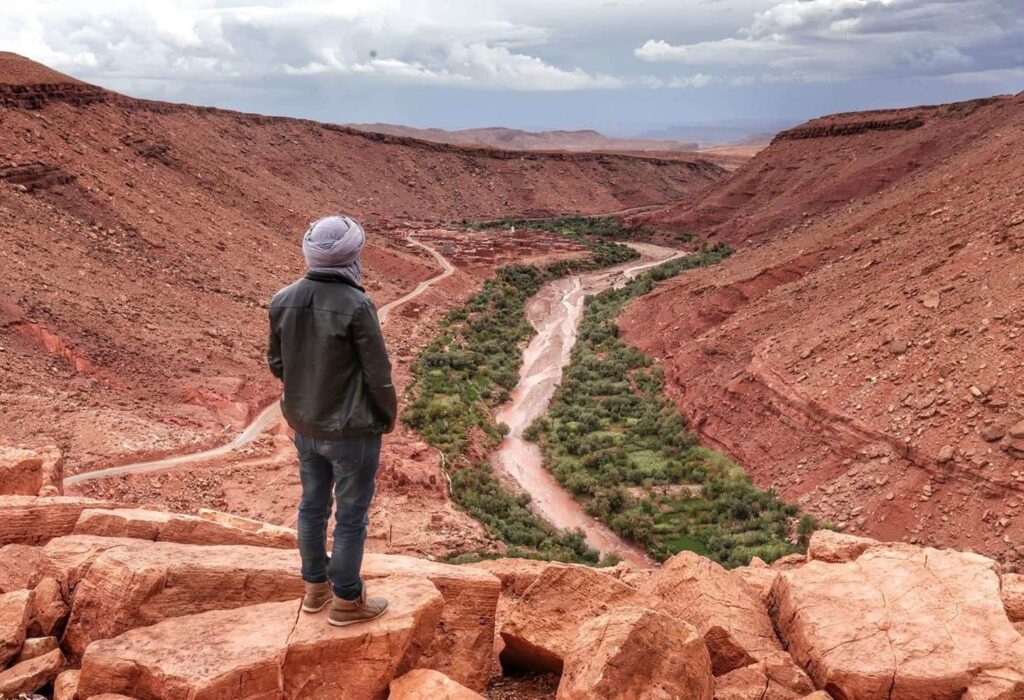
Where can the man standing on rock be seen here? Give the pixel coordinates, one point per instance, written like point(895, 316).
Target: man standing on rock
point(326, 346)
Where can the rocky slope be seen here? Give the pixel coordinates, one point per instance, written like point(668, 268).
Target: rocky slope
point(861, 352)
point(144, 237)
point(96, 599)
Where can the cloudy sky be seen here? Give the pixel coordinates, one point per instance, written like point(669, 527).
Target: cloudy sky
point(623, 66)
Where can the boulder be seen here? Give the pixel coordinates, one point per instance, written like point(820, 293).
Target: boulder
point(21, 471)
point(790, 561)
point(139, 583)
point(29, 676)
point(159, 526)
point(462, 646)
point(48, 608)
point(1012, 591)
point(756, 682)
point(65, 687)
point(735, 625)
point(14, 614)
point(542, 625)
point(72, 555)
point(270, 650)
point(23, 566)
point(284, 537)
point(38, 519)
point(758, 580)
point(36, 646)
point(637, 653)
point(516, 575)
point(826, 545)
point(901, 622)
point(427, 684)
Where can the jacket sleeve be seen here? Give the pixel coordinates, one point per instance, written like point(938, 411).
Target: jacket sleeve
point(274, 352)
point(373, 355)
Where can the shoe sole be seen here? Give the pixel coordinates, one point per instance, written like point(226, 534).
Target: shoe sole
point(311, 609)
point(346, 623)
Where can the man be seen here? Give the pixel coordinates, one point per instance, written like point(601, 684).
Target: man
point(326, 346)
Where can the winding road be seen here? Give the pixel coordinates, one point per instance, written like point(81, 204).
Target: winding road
point(270, 415)
point(555, 313)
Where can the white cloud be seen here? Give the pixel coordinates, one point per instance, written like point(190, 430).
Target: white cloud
point(437, 42)
point(816, 40)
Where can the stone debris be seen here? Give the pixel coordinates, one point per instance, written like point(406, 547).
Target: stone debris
point(29, 676)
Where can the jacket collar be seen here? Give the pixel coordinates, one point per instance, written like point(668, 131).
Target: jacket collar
point(327, 277)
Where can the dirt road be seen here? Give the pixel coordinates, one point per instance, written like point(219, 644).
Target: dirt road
point(270, 415)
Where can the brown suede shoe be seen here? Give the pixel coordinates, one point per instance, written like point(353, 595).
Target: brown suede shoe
point(318, 595)
point(348, 612)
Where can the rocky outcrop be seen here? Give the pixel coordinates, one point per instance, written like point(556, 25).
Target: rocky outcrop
point(38, 519)
point(159, 526)
point(850, 128)
point(901, 622)
point(735, 624)
point(543, 624)
point(637, 653)
point(830, 546)
point(426, 684)
point(140, 583)
point(270, 650)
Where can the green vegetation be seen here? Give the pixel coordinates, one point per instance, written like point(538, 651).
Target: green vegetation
point(622, 448)
point(469, 370)
point(581, 228)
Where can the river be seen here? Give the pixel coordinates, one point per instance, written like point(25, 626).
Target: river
point(555, 313)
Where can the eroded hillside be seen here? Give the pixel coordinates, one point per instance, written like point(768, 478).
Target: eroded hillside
point(863, 354)
point(142, 238)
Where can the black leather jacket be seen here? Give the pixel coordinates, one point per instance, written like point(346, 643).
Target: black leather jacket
point(326, 345)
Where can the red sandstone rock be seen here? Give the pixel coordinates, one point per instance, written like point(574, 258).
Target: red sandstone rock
point(902, 622)
point(427, 684)
point(270, 650)
point(139, 583)
point(21, 471)
point(542, 625)
point(826, 545)
point(72, 555)
point(735, 624)
point(637, 653)
point(1012, 591)
point(24, 566)
point(462, 645)
point(284, 537)
point(160, 526)
point(49, 609)
point(65, 687)
point(755, 682)
point(36, 646)
point(29, 676)
point(38, 519)
point(757, 580)
point(516, 575)
point(14, 615)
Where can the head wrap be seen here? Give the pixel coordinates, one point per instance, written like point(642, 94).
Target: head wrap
point(332, 245)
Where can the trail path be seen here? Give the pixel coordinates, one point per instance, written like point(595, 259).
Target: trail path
point(555, 313)
point(268, 416)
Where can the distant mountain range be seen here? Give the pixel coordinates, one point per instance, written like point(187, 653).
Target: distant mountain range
point(519, 140)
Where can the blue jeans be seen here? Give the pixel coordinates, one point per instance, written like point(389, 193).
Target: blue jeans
point(345, 469)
